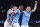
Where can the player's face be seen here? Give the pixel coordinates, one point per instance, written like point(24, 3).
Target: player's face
point(14, 8)
point(28, 9)
point(21, 7)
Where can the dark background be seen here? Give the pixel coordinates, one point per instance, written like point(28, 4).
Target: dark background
point(5, 5)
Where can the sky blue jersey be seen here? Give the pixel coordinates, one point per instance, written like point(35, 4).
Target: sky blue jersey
point(9, 15)
point(25, 17)
point(16, 16)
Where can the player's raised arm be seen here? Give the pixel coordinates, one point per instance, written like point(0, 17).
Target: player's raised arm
point(35, 7)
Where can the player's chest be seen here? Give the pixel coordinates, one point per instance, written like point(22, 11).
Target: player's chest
point(27, 14)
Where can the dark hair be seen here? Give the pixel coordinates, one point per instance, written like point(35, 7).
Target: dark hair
point(20, 5)
point(12, 6)
point(27, 6)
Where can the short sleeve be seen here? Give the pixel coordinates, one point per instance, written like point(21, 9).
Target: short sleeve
point(16, 11)
point(10, 10)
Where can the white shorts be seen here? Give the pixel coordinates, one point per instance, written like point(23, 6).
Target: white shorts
point(16, 25)
point(6, 24)
point(24, 26)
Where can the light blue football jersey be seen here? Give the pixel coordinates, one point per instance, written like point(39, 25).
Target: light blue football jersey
point(9, 15)
point(25, 17)
point(16, 16)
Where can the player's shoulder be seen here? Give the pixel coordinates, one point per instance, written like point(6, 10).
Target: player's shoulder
point(9, 9)
point(17, 10)
point(23, 11)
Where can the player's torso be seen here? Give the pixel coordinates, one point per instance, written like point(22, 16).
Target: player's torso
point(25, 18)
point(9, 15)
point(16, 17)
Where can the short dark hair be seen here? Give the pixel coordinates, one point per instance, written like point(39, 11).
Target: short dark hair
point(12, 6)
point(20, 5)
point(28, 6)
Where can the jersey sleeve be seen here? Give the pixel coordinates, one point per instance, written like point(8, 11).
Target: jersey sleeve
point(10, 10)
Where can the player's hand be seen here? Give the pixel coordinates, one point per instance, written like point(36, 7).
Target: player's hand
point(10, 22)
point(35, 2)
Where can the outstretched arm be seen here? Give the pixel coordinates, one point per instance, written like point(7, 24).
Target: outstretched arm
point(35, 7)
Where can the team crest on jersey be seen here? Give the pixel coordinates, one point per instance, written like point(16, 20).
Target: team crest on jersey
point(16, 11)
